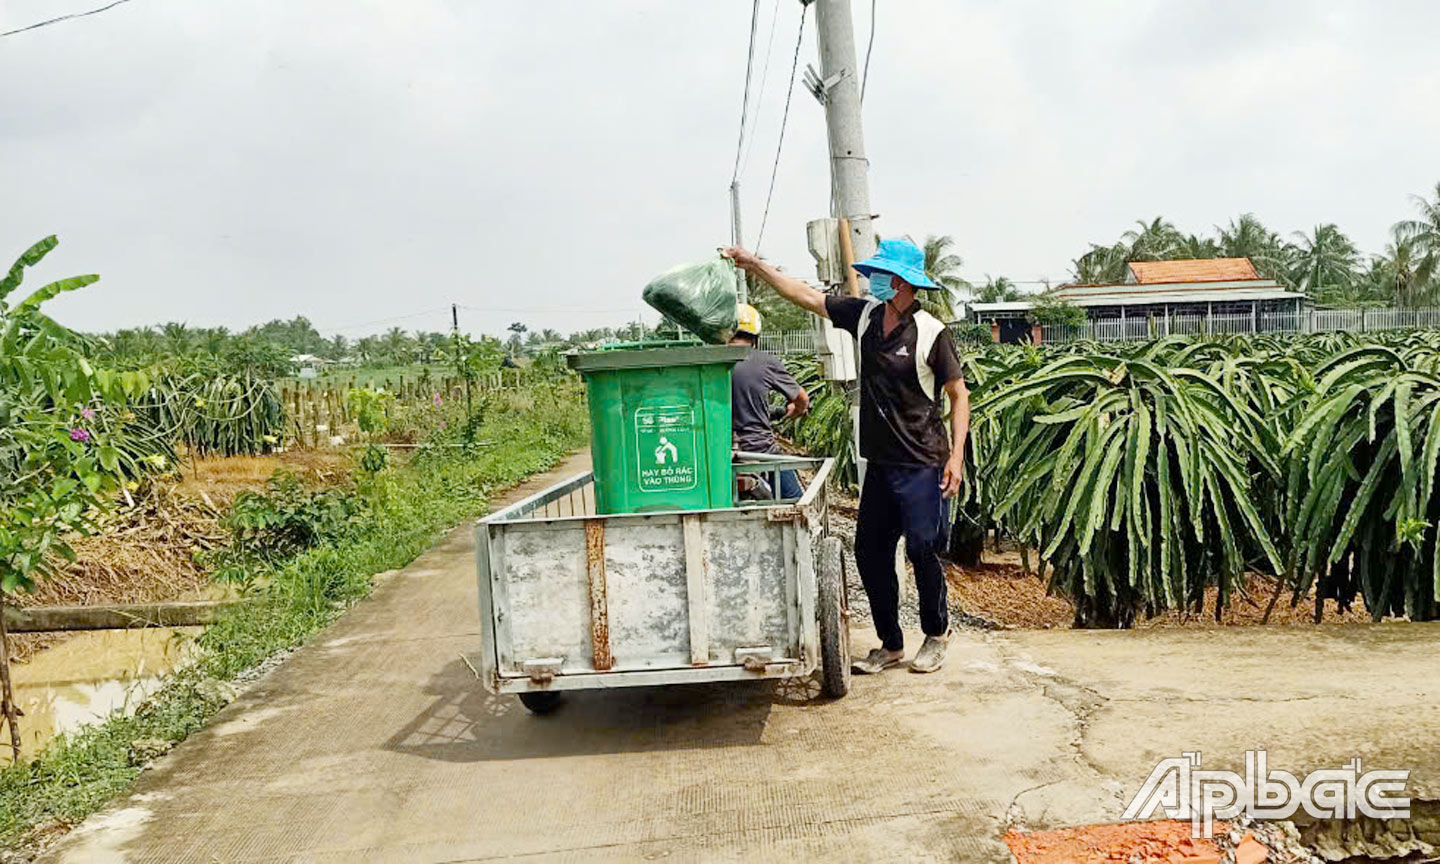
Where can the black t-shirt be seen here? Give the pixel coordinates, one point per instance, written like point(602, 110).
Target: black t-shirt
point(900, 423)
point(750, 384)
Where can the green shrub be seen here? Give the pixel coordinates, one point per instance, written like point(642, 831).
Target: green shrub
point(1049, 309)
point(404, 511)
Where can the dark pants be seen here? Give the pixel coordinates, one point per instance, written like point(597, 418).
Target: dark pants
point(902, 500)
point(790, 485)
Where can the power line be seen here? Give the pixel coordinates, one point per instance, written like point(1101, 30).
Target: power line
point(570, 310)
point(764, 76)
point(745, 101)
point(40, 24)
point(784, 119)
point(383, 320)
point(865, 77)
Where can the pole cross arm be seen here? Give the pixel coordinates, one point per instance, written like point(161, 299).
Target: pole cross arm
point(818, 87)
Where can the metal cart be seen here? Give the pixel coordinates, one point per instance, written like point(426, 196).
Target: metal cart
point(571, 600)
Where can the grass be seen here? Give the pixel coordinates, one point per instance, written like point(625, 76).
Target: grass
point(411, 505)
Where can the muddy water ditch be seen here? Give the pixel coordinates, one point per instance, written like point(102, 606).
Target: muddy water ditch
point(88, 676)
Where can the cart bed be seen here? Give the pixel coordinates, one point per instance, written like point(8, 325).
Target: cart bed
point(572, 600)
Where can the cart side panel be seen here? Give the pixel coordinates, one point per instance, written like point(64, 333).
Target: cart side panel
point(646, 583)
point(749, 594)
point(549, 595)
point(489, 664)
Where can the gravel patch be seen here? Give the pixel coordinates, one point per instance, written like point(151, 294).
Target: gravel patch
point(842, 525)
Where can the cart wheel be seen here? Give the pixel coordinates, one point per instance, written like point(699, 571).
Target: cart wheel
point(834, 629)
point(540, 701)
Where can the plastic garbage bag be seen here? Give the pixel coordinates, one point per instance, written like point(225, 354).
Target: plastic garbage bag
point(699, 297)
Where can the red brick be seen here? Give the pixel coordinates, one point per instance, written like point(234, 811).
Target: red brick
point(1251, 851)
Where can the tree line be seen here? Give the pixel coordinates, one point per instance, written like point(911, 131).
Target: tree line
point(271, 348)
point(1323, 263)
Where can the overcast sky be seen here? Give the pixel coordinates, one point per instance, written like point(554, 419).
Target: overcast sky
point(356, 162)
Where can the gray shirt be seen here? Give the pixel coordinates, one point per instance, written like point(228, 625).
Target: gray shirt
point(751, 383)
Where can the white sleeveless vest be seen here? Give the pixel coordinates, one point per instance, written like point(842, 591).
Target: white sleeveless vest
point(928, 329)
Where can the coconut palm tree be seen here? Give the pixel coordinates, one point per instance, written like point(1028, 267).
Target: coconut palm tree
point(997, 289)
point(1325, 264)
point(1395, 274)
point(1195, 246)
point(1247, 237)
point(212, 340)
point(369, 348)
point(397, 345)
point(177, 338)
point(943, 267)
point(1102, 265)
point(1157, 240)
point(1424, 234)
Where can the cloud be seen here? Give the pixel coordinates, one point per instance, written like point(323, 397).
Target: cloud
point(358, 161)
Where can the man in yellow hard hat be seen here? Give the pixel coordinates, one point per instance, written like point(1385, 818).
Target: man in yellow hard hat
point(754, 379)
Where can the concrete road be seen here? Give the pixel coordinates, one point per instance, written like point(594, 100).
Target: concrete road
point(376, 743)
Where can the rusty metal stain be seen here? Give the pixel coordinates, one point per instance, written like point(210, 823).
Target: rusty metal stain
point(599, 604)
point(786, 513)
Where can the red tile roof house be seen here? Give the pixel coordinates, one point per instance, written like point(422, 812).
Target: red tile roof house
point(1158, 298)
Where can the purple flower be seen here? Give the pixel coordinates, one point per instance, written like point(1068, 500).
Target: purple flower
point(81, 435)
point(436, 399)
point(88, 413)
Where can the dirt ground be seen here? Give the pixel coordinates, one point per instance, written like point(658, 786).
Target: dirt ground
point(145, 550)
point(1000, 590)
point(1000, 593)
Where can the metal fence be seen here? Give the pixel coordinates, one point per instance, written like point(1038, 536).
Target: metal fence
point(791, 341)
point(1157, 327)
point(1306, 321)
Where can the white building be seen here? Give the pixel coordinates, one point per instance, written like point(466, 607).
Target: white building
point(1211, 295)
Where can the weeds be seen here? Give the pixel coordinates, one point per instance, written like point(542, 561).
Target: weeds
point(274, 525)
point(406, 509)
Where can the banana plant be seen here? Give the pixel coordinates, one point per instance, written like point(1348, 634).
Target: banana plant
point(57, 467)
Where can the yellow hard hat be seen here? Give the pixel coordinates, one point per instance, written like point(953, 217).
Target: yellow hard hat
point(748, 318)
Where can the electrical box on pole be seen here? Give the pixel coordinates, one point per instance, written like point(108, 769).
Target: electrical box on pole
point(837, 349)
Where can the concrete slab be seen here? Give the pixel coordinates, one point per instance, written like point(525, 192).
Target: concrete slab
point(376, 743)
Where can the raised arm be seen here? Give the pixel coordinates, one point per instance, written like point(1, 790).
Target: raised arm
point(789, 287)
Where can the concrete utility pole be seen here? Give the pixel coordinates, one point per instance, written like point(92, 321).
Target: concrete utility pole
point(841, 78)
point(849, 169)
point(737, 239)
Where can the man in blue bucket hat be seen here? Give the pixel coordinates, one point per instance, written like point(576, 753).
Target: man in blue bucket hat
point(906, 361)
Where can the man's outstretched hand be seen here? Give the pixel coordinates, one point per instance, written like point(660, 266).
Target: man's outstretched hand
point(789, 287)
point(954, 473)
point(743, 259)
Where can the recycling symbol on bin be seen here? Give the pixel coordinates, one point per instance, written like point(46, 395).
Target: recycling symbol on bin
point(665, 447)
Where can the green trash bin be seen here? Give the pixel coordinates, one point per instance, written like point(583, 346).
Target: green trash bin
point(660, 426)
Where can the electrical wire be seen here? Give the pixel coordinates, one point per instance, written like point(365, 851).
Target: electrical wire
point(745, 101)
point(764, 76)
point(865, 76)
point(784, 119)
point(40, 24)
point(382, 320)
point(570, 310)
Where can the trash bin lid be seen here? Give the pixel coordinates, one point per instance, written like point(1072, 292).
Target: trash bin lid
point(657, 357)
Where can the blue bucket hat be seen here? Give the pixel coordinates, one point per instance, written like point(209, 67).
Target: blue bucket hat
point(899, 257)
